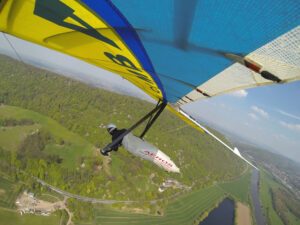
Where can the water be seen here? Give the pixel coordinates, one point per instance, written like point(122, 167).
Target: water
point(224, 214)
point(258, 211)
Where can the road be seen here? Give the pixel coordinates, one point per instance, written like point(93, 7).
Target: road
point(103, 201)
point(97, 200)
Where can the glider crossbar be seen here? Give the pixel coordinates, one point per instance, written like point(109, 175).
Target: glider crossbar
point(158, 109)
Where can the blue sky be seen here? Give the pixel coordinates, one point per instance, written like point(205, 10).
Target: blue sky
point(268, 116)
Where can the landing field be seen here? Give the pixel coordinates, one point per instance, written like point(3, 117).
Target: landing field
point(8, 192)
point(268, 182)
point(266, 199)
point(184, 210)
point(239, 188)
point(11, 217)
point(11, 137)
point(73, 145)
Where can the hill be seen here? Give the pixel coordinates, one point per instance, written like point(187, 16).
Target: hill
point(52, 127)
point(81, 109)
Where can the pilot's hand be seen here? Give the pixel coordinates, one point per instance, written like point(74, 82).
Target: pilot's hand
point(105, 153)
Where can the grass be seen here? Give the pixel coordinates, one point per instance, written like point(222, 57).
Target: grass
point(267, 181)
point(74, 147)
point(49, 196)
point(265, 197)
point(239, 188)
point(11, 137)
point(184, 210)
point(70, 152)
point(293, 219)
point(8, 192)
point(9, 217)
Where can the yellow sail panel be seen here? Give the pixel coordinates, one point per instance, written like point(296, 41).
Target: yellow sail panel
point(185, 117)
point(4, 12)
point(72, 28)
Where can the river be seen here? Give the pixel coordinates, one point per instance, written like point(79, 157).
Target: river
point(258, 211)
point(224, 214)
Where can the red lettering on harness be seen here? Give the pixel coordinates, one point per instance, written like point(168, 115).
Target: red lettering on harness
point(157, 157)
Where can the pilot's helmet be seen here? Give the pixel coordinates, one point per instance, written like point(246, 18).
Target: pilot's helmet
point(111, 127)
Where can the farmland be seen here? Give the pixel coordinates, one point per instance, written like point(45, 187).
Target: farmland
point(9, 217)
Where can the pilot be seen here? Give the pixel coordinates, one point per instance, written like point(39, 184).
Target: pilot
point(115, 133)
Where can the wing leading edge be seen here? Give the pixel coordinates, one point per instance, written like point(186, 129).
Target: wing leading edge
point(198, 126)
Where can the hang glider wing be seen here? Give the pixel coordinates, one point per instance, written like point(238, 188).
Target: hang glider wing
point(177, 51)
point(93, 31)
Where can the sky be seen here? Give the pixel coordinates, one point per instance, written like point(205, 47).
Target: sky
point(268, 116)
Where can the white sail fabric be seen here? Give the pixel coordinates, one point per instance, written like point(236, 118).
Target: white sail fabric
point(281, 57)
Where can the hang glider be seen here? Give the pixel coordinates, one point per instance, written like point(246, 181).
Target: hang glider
point(176, 51)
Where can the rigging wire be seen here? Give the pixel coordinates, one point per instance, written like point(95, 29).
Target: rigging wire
point(12, 46)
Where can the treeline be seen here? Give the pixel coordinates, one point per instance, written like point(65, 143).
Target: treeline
point(284, 203)
point(33, 146)
point(11, 122)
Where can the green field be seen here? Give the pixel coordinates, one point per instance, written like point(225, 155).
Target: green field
point(266, 200)
point(275, 216)
point(8, 217)
point(184, 210)
point(8, 192)
point(239, 188)
point(11, 137)
point(49, 196)
point(74, 146)
point(293, 219)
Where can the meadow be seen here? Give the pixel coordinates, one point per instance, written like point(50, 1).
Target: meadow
point(8, 192)
point(239, 188)
point(74, 146)
point(267, 197)
point(186, 209)
point(11, 137)
point(10, 217)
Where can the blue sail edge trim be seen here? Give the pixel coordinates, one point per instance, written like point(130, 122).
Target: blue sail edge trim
point(106, 10)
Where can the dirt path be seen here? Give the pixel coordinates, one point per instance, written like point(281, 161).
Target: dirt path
point(68, 211)
point(70, 215)
point(243, 214)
